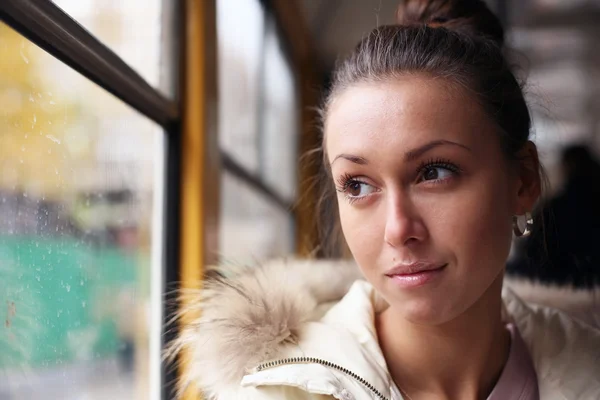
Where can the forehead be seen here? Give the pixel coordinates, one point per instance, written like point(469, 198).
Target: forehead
point(403, 112)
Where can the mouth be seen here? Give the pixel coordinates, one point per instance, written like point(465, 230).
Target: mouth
point(416, 274)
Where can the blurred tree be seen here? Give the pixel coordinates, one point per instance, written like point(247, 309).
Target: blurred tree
point(34, 122)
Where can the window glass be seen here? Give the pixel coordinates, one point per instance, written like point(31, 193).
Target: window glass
point(258, 129)
point(258, 107)
point(252, 227)
point(240, 31)
point(132, 29)
point(79, 199)
point(280, 133)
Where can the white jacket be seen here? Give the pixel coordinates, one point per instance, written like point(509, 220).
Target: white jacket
point(270, 332)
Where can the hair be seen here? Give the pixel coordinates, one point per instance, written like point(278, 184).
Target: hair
point(459, 41)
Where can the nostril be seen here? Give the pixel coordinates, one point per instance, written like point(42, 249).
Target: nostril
point(411, 240)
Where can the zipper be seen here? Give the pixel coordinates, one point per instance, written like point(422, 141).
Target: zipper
point(313, 360)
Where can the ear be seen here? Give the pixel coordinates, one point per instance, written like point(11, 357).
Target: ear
point(529, 185)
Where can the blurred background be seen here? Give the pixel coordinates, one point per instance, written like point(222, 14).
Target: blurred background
point(97, 196)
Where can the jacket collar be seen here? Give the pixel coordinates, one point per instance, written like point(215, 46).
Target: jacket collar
point(564, 351)
point(345, 336)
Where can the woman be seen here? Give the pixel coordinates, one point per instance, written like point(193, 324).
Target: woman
point(426, 145)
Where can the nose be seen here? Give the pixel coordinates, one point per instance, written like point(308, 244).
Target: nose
point(404, 226)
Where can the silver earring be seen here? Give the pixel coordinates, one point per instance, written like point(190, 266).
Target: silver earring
point(528, 225)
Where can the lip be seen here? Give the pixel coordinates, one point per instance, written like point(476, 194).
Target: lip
point(414, 268)
point(416, 274)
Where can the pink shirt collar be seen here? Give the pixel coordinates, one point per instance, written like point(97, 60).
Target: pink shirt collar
point(518, 380)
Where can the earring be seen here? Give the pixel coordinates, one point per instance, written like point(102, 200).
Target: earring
point(528, 225)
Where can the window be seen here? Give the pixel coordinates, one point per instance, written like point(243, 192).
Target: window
point(91, 141)
point(132, 29)
point(239, 37)
point(253, 227)
point(258, 133)
point(279, 138)
point(81, 200)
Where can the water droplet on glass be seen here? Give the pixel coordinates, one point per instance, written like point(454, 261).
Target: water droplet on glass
point(53, 138)
point(24, 57)
point(37, 277)
point(68, 287)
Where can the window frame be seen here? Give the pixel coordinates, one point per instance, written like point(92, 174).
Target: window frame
point(50, 28)
point(187, 137)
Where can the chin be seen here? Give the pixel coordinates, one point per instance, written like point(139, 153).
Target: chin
point(424, 311)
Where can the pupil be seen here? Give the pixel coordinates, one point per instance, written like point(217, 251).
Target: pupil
point(355, 189)
point(431, 174)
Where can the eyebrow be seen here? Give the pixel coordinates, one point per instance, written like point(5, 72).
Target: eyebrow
point(409, 156)
point(355, 159)
point(419, 151)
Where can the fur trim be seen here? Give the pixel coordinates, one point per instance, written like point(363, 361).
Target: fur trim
point(250, 314)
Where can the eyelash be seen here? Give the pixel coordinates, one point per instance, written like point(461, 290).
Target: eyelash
point(343, 182)
point(346, 180)
point(437, 163)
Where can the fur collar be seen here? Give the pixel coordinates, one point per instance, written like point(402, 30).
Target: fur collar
point(250, 314)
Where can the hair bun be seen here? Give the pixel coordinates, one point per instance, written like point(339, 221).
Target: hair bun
point(472, 17)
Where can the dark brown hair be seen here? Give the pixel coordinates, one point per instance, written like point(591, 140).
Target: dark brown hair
point(460, 41)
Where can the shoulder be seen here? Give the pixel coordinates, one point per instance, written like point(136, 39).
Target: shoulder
point(565, 351)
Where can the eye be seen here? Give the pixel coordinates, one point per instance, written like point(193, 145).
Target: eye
point(436, 173)
point(358, 189)
point(354, 189)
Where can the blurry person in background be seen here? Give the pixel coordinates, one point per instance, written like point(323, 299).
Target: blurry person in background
point(565, 250)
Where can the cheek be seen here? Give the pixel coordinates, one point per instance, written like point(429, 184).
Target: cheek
point(363, 231)
point(477, 225)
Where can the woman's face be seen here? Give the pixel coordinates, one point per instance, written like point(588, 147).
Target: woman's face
point(425, 195)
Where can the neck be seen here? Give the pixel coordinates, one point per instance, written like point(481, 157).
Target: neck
point(461, 359)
